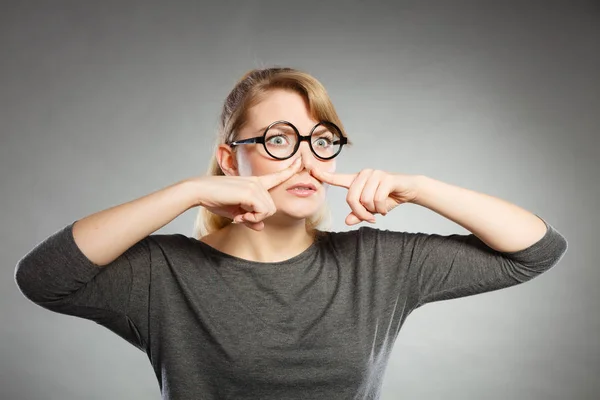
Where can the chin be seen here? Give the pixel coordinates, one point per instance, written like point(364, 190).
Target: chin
point(298, 210)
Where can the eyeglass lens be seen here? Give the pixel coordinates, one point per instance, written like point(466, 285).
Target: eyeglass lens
point(281, 140)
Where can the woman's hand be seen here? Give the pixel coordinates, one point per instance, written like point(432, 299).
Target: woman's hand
point(245, 199)
point(372, 191)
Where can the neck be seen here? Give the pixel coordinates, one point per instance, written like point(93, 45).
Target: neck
point(276, 242)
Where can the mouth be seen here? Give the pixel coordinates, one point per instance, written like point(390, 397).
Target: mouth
point(302, 189)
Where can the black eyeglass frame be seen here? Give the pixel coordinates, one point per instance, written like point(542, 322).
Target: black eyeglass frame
point(261, 139)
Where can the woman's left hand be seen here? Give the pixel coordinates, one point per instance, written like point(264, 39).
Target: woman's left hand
point(372, 191)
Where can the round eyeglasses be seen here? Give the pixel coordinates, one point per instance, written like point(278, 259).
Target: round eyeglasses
point(281, 140)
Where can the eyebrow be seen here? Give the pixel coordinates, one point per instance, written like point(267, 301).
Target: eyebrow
point(262, 130)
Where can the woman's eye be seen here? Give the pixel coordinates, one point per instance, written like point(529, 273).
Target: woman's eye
point(324, 142)
point(277, 140)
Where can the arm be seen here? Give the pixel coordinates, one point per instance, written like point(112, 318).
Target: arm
point(507, 246)
point(100, 239)
point(501, 225)
point(99, 267)
point(429, 267)
point(105, 235)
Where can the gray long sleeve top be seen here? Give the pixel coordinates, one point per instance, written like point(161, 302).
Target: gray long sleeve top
point(320, 325)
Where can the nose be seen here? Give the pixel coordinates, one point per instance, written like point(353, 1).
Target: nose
point(309, 160)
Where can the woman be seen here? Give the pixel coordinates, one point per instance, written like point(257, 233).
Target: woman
point(264, 304)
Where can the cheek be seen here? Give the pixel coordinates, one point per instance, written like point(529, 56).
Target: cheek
point(256, 165)
point(329, 166)
point(244, 165)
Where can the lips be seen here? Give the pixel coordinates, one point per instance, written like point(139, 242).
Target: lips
point(307, 186)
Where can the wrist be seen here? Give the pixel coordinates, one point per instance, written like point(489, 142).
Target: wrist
point(421, 182)
point(192, 191)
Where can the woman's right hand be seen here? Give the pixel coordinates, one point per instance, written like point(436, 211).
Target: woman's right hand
point(245, 199)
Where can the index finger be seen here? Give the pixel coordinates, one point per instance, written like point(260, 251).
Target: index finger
point(271, 180)
point(343, 180)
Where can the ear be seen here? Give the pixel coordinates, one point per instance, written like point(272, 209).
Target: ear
point(226, 159)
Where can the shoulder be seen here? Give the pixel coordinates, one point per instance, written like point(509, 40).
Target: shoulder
point(178, 250)
point(169, 242)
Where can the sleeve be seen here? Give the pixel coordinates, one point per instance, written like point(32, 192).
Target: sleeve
point(453, 266)
point(442, 267)
point(56, 275)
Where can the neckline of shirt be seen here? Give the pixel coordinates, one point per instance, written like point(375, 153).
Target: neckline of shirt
point(242, 262)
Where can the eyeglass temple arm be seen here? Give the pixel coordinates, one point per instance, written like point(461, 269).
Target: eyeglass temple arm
point(259, 139)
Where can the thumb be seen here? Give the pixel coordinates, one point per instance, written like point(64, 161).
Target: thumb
point(352, 219)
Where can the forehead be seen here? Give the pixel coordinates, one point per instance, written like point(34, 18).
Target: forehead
point(279, 105)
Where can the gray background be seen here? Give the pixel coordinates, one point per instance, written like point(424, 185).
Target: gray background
point(103, 102)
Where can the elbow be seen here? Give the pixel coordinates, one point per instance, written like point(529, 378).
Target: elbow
point(33, 282)
point(29, 283)
point(542, 255)
point(24, 281)
point(550, 258)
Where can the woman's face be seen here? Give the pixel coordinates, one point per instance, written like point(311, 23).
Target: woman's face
point(252, 159)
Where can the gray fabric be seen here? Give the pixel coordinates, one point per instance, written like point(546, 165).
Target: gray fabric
point(320, 325)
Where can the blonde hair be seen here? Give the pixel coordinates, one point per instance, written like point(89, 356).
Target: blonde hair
point(250, 90)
